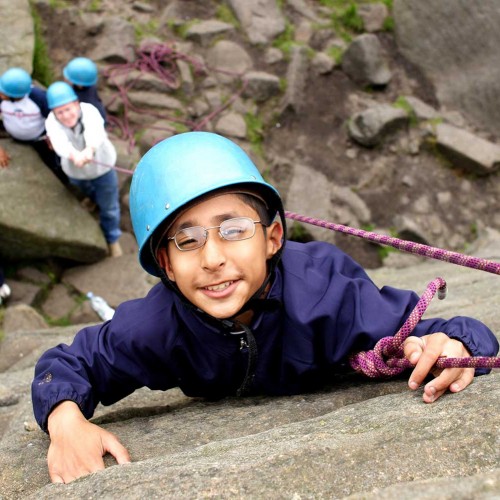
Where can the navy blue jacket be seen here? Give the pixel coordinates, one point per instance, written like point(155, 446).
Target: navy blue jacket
point(90, 95)
point(39, 97)
point(321, 307)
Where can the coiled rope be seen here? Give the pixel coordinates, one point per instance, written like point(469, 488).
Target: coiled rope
point(387, 358)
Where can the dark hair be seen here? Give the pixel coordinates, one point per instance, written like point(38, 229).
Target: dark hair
point(258, 205)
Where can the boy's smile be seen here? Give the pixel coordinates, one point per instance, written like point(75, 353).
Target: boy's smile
point(221, 276)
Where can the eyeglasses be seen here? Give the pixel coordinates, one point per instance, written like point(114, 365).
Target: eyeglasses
point(237, 229)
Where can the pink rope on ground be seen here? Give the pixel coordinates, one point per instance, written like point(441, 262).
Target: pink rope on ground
point(161, 60)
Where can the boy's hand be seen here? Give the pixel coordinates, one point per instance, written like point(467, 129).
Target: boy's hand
point(423, 353)
point(4, 158)
point(77, 446)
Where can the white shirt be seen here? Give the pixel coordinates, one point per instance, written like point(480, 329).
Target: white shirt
point(22, 119)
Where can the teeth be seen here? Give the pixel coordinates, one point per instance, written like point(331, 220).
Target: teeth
point(218, 288)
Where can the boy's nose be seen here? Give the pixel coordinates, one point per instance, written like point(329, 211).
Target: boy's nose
point(212, 253)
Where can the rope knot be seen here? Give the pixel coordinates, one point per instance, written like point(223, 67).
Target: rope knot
point(373, 363)
point(381, 361)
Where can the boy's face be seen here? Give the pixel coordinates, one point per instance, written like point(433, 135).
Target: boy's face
point(221, 276)
point(68, 114)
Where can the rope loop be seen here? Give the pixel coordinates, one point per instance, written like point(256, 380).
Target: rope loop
point(387, 359)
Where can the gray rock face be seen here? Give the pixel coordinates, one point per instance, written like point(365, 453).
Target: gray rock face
point(360, 438)
point(117, 42)
point(230, 59)
point(39, 217)
point(261, 19)
point(446, 42)
point(18, 36)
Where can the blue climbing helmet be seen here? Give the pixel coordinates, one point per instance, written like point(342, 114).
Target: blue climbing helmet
point(59, 94)
point(15, 83)
point(179, 170)
point(81, 71)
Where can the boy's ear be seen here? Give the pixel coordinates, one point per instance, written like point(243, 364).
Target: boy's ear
point(274, 236)
point(164, 262)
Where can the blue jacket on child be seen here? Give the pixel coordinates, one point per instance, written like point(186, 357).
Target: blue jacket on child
point(321, 307)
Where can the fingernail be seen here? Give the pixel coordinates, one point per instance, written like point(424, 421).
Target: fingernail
point(412, 385)
point(455, 387)
point(432, 390)
point(414, 357)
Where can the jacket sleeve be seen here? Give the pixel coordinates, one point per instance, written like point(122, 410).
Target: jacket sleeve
point(58, 138)
point(103, 364)
point(93, 123)
point(39, 97)
point(351, 314)
point(382, 312)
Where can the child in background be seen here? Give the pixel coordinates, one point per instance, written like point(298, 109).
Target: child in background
point(24, 110)
point(239, 309)
point(81, 74)
point(77, 133)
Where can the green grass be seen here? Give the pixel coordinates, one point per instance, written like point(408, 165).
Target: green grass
point(345, 18)
point(285, 41)
point(42, 67)
point(95, 6)
point(336, 53)
point(298, 233)
point(144, 30)
point(226, 15)
point(403, 104)
point(58, 4)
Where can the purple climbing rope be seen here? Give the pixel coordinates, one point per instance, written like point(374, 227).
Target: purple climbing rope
point(387, 358)
point(404, 245)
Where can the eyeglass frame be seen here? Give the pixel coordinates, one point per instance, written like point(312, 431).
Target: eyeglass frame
point(206, 229)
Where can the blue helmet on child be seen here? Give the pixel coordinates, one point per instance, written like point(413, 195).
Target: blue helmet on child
point(15, 82)
point(81, 71)
point(59, 94)
point(181, 169)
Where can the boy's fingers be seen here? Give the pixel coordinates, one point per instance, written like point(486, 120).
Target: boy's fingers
point(454, 379)
point(424, 365)
point(413, 348)
point(56, 478)
point(112, 445)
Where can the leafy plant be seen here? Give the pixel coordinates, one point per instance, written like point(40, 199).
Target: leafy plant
point(143, 30)
point(225, 14)
point(255, 131)
point(95, 5)
point(285, 41)
point(388, 24)
point(42, 68)
point(403, 104)
point(336, 53)
point(58, 4)
point(299, 233)
point(350, 18)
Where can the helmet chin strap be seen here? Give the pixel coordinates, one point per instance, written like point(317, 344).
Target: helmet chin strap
point(231, 326)
point(256, 302)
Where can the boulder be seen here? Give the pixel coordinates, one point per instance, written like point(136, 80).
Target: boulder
point(41, 218)
point(18, 35)
point(455, 50)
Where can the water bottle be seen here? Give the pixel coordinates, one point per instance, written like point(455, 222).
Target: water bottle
point(100, 306)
